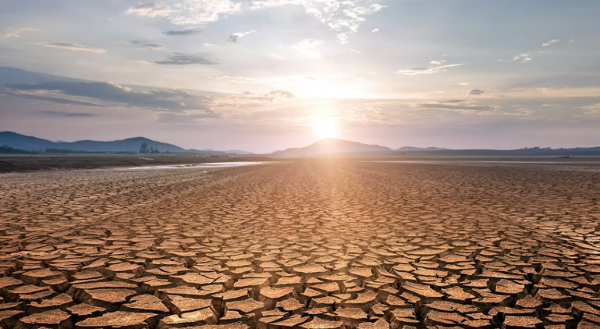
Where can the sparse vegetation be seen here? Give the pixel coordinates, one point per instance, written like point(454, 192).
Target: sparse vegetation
point(4, 149)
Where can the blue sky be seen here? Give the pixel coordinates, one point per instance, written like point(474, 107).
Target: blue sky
point(271, 74)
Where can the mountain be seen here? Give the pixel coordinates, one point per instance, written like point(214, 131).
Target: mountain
point(329, 146)
point(240, 152)
point(416, 149)
point(127, 145)
point(230, 152)
point(22, 142)
point(31, 143)
point(524, 152)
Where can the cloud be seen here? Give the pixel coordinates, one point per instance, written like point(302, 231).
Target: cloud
point(16, 32)
point(149, 10)
point(463, 83)
point(375, 31)
point(186, 59)
point(108, 93)
point(146, 46)
point(437, 62)
point(428, 70)
point(181, 33)
point(184, 118)
point(592, 109)
point(234, 37)
point(458, 108)
point(343, 17)
point(551, 42)
point(269, 96)
point(69, 114)
point(523, 57)
point(356, 51)
point(274, 94)
point(308, 47)
point(41, 97)
point(476, 92)
point(239, 79)
point(71, 46)
point(189, 13)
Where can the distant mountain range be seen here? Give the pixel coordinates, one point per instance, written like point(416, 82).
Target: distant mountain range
point(330, 146)
point(31, 143)
point(232, 152)
point(417, 149)
point(348, 148)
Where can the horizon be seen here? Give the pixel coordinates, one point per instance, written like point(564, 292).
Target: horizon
point(269, 75)
point(300, 147)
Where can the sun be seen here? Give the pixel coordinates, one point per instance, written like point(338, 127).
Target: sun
point(324, 128)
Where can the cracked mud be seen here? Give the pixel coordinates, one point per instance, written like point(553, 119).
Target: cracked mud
point(313, 244)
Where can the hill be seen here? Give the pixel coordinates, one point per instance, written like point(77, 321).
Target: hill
point(31, 143)
point(524, 152)
point(238, 152)
point(418, 149)
point(232, 152)
point(330, 146)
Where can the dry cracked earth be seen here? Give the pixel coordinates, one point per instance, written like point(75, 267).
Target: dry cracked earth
point(302, 245)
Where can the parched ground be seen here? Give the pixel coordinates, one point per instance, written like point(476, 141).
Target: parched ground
point(313, 244)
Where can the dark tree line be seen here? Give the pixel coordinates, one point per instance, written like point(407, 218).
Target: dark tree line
point(144, 149)
point(5, 149)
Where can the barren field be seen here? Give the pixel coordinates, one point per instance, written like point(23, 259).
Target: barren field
point(306, 244)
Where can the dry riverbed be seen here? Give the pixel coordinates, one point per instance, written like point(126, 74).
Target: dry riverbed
point(303, 244)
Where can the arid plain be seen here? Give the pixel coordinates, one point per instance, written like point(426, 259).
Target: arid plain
point(303, 244)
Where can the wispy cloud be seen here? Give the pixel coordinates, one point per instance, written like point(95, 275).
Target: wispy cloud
point(375, 31)
point(149, 10)
point(592, 109)
point(181, 33)
point(42, 96)
point(476, 92)
point(108, 94)
point(236, 36)
point(16, 32)
point(456, 106)
point(343, 17)
point(191, 13)
point(184, 118)
point(239, 79)
point(308, 47)
point(71, 46)
point(146, 46)
point(551, 42)
point(69, 114)
point(428, 70)
point(186, 59)
point(270, 96)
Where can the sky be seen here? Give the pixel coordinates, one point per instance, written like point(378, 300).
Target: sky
point(265, 75)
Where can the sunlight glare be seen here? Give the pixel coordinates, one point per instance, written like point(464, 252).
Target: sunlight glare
point(324, 128)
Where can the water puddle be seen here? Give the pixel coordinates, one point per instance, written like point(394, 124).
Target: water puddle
point(196, 165)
